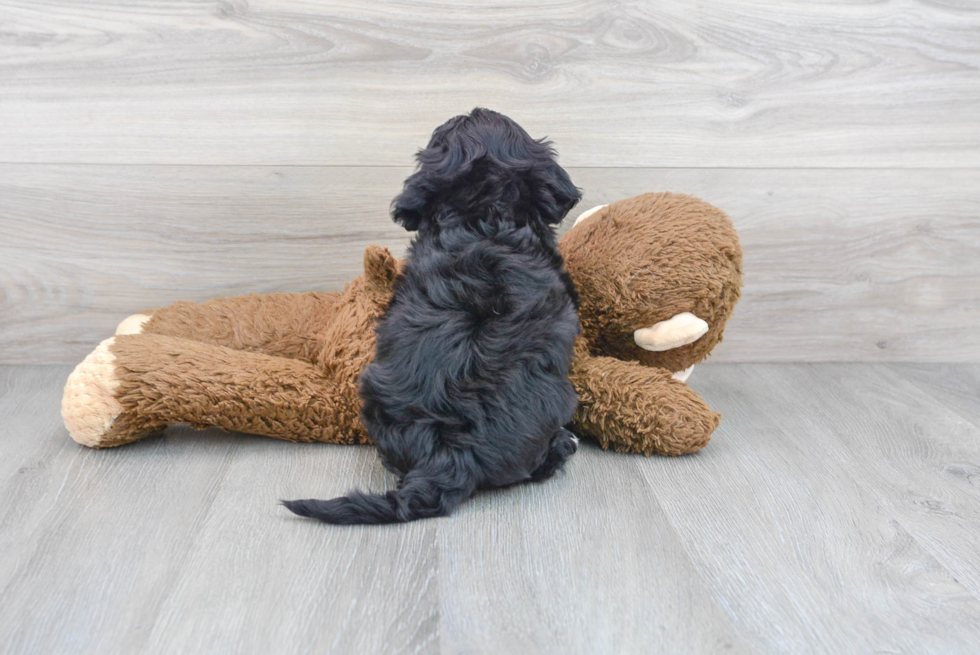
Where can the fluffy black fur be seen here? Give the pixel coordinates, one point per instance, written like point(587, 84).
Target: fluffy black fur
point(469, 386)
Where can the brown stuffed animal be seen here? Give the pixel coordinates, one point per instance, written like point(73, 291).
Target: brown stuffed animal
point(658, 276)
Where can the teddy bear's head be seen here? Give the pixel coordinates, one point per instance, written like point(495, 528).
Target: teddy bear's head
point(658, 275)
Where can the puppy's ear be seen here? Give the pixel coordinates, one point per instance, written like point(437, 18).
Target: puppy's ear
point(408, 206)
point(440, 163)
point(557, 193)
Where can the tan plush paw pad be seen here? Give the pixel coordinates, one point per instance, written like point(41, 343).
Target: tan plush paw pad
point(584, 215)
point(88, 406)
point(675, 332)
point(132, 324)
point(682, 376)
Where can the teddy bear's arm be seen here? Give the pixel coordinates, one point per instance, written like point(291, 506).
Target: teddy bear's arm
point(133, 386)
point(639, 409)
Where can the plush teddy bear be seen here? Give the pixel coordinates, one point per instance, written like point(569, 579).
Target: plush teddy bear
point(658, 276)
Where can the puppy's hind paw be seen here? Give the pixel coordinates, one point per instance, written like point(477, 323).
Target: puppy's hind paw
point(563, 445)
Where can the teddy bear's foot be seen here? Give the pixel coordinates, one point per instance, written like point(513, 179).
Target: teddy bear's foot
point(682, 376)
point(584, 215)
point(90, 405)
point(133, 324)
point(675, 332)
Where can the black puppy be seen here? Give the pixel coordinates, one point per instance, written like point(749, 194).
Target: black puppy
point(469, 386)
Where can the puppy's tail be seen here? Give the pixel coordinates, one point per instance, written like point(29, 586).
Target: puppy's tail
point(424, 493)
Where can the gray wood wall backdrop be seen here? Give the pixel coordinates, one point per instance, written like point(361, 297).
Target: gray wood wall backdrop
point(152, 151)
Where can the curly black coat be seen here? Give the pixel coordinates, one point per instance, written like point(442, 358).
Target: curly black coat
point(469, 386)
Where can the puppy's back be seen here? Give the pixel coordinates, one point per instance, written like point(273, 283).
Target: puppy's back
point(476, 348)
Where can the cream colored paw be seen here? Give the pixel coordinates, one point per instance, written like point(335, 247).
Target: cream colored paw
point(584, 215)
point(132, 324)
point(682, 376)
point(675, 332)
point(89, 407)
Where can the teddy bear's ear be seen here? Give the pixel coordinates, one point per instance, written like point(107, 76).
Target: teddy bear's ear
point(380, 267)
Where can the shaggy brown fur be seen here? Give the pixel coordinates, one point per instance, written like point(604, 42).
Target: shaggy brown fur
point(286, 365)
point(681, 255)
point(637, 409)
point(255, 363)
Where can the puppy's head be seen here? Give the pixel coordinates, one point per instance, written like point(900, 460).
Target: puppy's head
point(484, 160)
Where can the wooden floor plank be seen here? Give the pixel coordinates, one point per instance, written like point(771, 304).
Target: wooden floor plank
point(178, 545)
point(585, 563)
point(834, 269)
point(913, 453)
point(910, 454)
point(30, 413)
point(954, 386)
point(92, 540)
point(764, 84)
point(291, 585)
point(807, 556)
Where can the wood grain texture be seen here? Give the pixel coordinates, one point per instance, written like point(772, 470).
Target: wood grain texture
point(802, 513)
point(301, 586)
point(30, 401)
point(178, 545)
point(588, 563)
point(834, 511)
point(839, 265)
point(955, 386)
point(911, 456)
point(929, 479)
point(730, 84)
point(85, 247)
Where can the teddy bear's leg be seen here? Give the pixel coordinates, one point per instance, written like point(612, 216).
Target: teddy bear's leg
point(280, 324)
point(133, 386)
point(639, 409)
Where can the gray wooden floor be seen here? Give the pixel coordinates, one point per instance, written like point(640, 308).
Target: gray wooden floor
point(836, 510)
